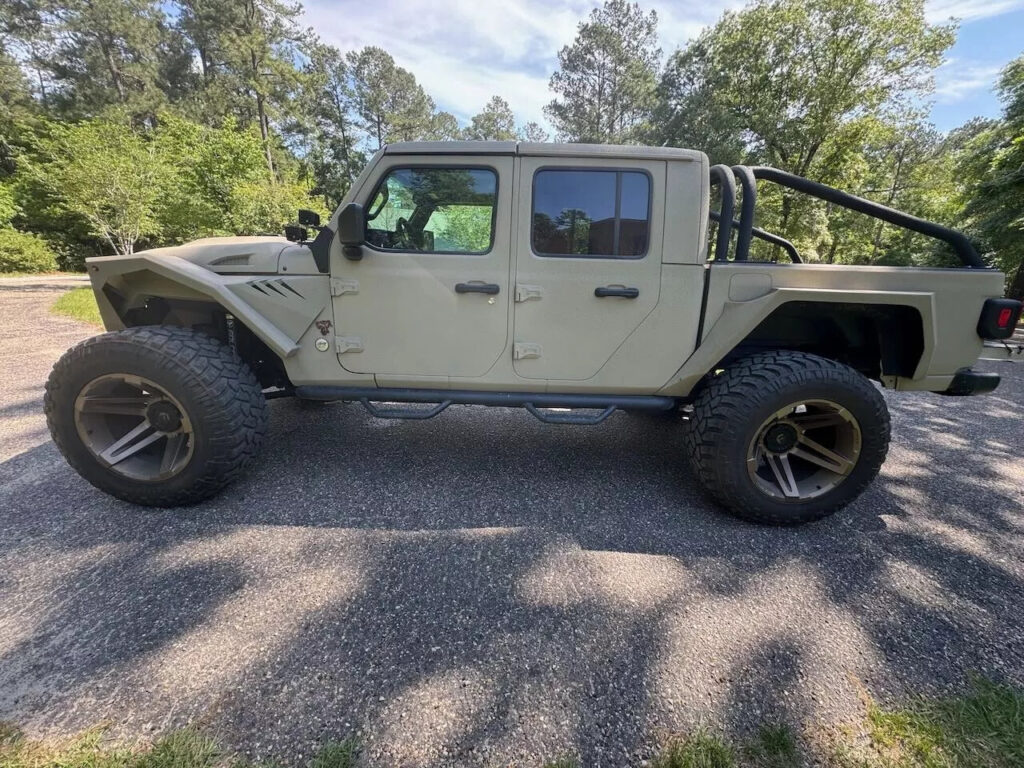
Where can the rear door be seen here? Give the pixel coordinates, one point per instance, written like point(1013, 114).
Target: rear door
point(587, 260)
point(430, 296)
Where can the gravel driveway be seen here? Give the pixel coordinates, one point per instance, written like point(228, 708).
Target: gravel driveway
point(483, 589)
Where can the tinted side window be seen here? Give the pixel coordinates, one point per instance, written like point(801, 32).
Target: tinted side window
point(440, 210)
point(591, 213)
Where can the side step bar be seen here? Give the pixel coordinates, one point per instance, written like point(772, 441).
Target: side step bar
point(534, 402)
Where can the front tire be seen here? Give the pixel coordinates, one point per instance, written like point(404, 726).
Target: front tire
point(159, 415)
point(785, 438)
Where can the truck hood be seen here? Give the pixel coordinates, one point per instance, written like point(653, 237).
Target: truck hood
point(229, 255)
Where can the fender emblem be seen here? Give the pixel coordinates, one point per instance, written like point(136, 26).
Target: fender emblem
point(324, 326)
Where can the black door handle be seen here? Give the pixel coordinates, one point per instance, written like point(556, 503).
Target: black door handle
point(610, 290)
point(491, 288)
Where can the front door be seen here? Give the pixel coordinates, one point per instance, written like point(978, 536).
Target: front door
point(430, 296)
point(588, 261)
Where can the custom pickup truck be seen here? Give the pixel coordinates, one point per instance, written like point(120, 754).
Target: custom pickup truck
point(571, 280)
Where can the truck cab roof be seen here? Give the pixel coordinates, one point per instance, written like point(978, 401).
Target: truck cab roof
point(624, 151)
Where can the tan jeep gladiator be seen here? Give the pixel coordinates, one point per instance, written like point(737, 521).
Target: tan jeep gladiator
point(571, 280)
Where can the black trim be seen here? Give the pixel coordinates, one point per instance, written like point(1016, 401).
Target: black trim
point(434, 167)
point(703, 307)
point(499, 399)
point(967, 382)
point(618, 205)
point(489, 288)
point(321, 248)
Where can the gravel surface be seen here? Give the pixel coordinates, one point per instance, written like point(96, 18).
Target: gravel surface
point(483, 589)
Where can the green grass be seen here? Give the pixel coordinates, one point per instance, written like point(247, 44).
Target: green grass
point(185, 748)
point(79, 304)
point(984, 728)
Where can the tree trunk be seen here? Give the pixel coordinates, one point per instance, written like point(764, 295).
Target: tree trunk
point(115, 73)
point(262, 113)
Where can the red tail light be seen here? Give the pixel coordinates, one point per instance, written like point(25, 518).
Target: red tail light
point(998, 318)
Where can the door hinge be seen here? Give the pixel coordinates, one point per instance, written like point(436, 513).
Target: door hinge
point(525, 350)
point(340, 287)
point(348, 344)
point(527, 292)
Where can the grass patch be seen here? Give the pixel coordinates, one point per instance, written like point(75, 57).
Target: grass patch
point(984, 727)
point(185, 748)
point(78, 304)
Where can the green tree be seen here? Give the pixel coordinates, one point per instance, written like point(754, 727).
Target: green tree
point(107, 55)
point(443, 127)
point(533, 132)
point(799, 84)
point(247, 52)
point(606, 79)
point(494, 123)
point(390, 103)
point(105, 172)
point(993, 165)
point(332, 141)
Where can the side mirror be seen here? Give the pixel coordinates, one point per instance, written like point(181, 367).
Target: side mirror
point(352, 231)
point(308, 218)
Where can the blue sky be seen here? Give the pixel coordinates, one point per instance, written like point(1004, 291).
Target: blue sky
point(465, 51)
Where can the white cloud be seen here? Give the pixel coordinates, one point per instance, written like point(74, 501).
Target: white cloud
point(969, 10)
point(956, 80)
point(465, 51)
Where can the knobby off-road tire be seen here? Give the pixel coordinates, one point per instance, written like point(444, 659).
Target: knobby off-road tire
point(743, 410)
point(190, 396)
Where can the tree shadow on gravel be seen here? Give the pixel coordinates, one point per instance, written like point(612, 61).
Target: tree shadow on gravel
point(484, 589)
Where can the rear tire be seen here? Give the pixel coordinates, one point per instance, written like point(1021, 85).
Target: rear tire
point(785, 438)
point(160, 416)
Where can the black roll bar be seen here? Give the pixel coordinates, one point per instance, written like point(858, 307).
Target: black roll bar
point(958, 240)
point(746, 222)
point(723, 175)
point(768, 237)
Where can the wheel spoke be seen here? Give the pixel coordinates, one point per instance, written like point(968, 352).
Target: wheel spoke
point(814, 452)
point(121, 406)
point(779, 464)
point(133, 442)
point(176, 445)
point(817, 420)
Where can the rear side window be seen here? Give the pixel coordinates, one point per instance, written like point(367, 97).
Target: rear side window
point(436, 210)
point(591, 213)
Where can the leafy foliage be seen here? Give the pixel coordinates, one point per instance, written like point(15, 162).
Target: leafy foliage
point(606, 78)
point(993, 163)
point(495, 123)
point(24, 252)
point(127, 124)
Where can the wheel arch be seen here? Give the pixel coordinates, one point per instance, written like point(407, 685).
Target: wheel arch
point(880, 334)
point(263, 322)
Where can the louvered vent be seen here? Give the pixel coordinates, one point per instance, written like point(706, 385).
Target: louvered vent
point(231, 261)
point(275, 288)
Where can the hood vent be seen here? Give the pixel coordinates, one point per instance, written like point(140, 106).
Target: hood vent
point(239, 260)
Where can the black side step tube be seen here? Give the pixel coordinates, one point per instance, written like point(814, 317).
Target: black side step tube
point(501, 399)
point(958, 240)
